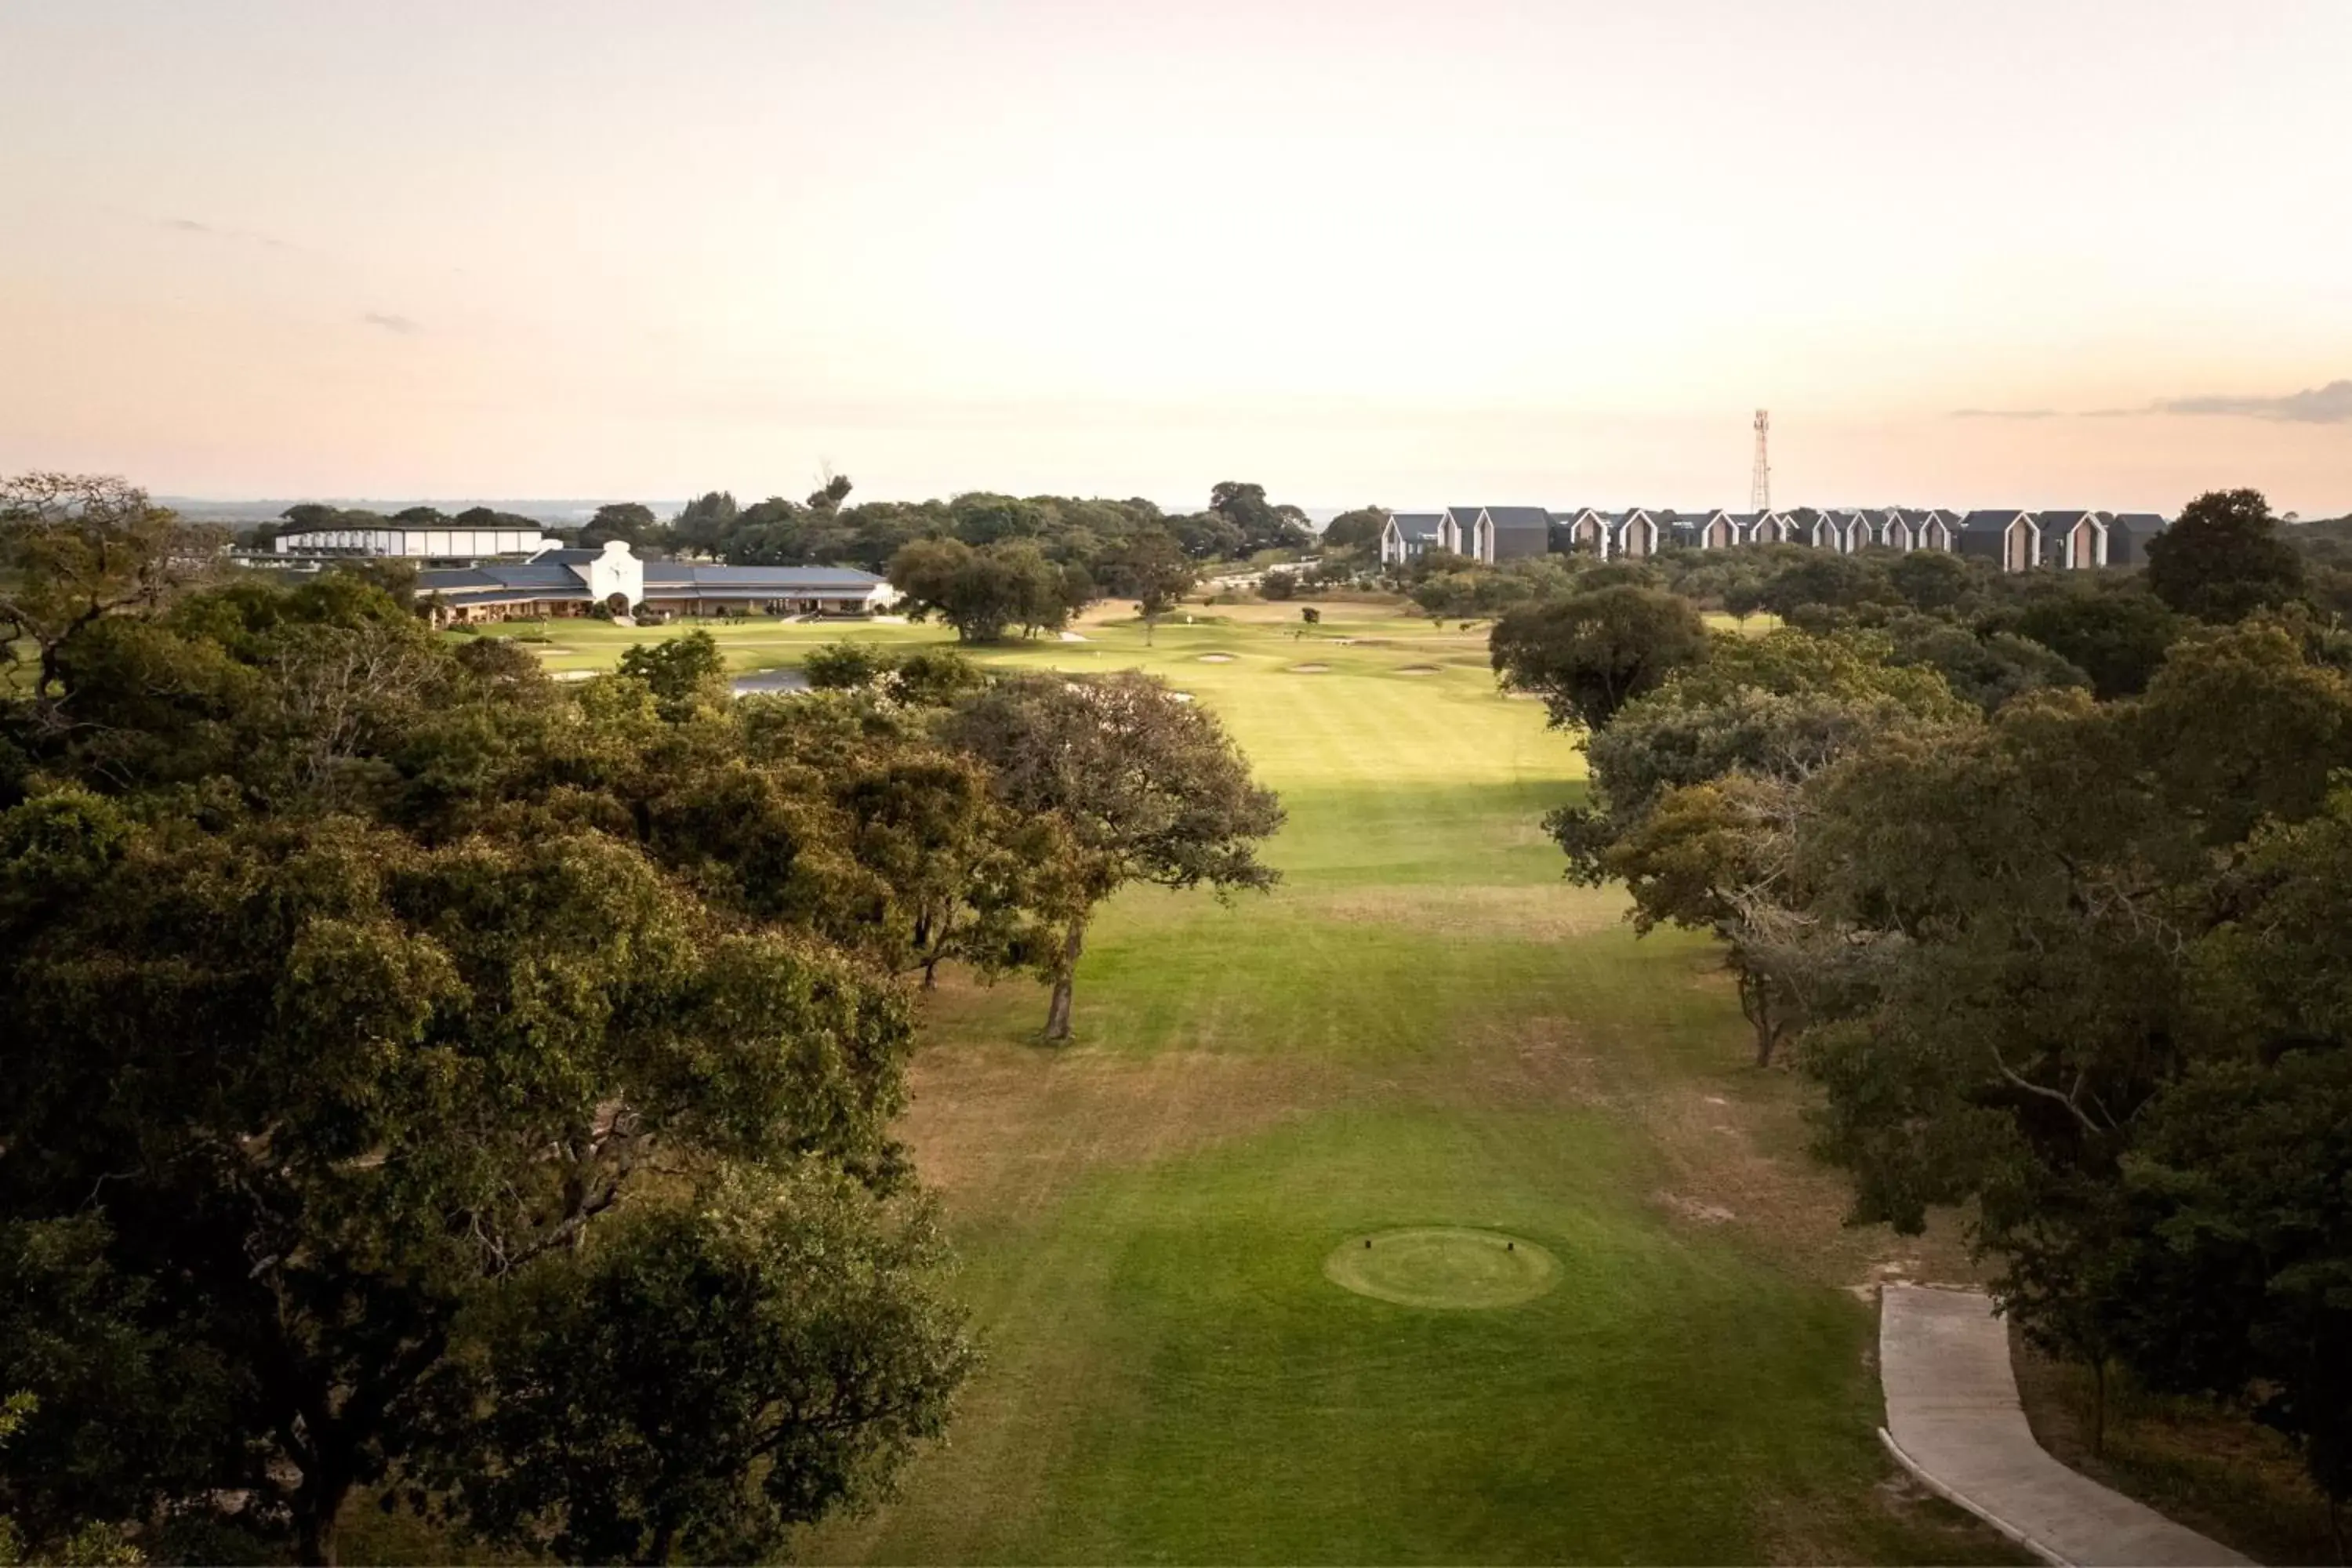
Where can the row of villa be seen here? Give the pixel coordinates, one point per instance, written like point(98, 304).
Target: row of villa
point(2017, 539)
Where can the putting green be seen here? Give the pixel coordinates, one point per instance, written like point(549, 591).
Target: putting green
point(1443, 1265)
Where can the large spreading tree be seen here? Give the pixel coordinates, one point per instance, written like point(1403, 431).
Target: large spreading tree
point(1146, 786)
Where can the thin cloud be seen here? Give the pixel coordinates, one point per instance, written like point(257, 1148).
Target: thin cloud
point(190, 226)
point(2330, 404)
point(403, 326)
point(2004, 413)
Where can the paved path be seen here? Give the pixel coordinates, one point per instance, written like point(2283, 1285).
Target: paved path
point(1953, 1419)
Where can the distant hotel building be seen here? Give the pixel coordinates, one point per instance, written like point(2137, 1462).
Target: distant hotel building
point(413, 543)
point(558, 583)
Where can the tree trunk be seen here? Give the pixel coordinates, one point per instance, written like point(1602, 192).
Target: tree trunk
point(318, 1506)
point(1756, 1004)
point(931, 975)
point(1066, 973)
point(2099, 1405)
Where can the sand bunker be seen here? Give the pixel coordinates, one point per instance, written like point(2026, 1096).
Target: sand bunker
point(1309, 668)
point(1417, 670)
point(1216, 658)
point(1443, 1265)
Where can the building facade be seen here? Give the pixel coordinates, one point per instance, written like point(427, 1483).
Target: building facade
point(566, 582)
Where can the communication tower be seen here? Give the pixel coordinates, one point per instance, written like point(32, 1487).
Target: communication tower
point(1759, 483)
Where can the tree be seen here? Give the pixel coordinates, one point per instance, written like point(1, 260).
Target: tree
point(683, 671)
point(827, 497)
point(1148, 788)
point(1714, 857)
point(1695, 798)
point(2116, 635)
point(2224, 558)
point(981, 592)
point(1357, 529)
point(631, 522)
point(1932, 580)
point(1989, 669)
point(1206, 536)
point(1590, 653)
point(1261, 525)
point(685, 1385)
point(702, 527)
point(1820, 578)
point(523, 1024)
point(75, 549)
point(924, 678)
point(1151, 569)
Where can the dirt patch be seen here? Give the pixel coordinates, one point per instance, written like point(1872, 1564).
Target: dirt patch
point(1309, 668)
point(1005, 1128)
point(1692, 1209)
point(1546, 913)
point(1742, 1167)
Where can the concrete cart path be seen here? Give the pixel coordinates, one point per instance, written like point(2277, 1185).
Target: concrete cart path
point(1953, 1420)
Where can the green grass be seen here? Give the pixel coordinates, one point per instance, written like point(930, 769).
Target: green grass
point(1423, 1027)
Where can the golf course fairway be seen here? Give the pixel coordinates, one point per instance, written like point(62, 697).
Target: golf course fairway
point(1423, 1032)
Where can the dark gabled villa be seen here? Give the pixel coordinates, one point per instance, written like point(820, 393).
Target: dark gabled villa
point(558, 582)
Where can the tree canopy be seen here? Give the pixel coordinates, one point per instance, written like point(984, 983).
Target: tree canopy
point(2223, 558)
point(1589, 654)
point(362, 981)
point(1149, 788)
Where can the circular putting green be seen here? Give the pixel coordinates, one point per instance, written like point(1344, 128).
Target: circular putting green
point(1443, 1265)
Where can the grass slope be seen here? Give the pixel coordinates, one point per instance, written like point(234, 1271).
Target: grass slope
point(1423, 1026)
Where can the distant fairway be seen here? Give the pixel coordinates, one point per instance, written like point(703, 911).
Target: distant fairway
point(1424, 1029)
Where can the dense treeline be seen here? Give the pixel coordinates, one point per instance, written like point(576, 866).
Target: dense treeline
point(2049, 891)
point(828, 530)
point(431, 1078)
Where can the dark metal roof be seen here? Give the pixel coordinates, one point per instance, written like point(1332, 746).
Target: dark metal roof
point(529, 575)
point(1518, 517)
point(1994, 518)
point(676, 574)
point(2137, 522)
point(457, 577)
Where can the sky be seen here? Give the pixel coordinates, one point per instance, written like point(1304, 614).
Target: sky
point(2064, 252)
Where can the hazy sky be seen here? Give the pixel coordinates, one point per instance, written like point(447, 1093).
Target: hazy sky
point(1416, 253)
